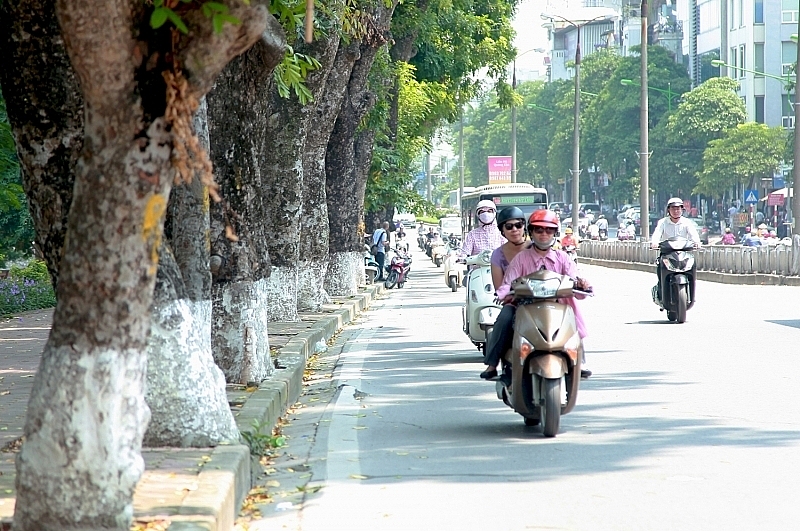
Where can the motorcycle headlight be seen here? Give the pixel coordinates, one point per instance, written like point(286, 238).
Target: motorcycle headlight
point(678, 261)
point(544, 289)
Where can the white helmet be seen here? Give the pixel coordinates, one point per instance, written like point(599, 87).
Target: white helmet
point(675, 201)
point(486, 203)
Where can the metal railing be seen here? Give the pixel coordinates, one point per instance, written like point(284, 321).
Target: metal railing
point(770, 260)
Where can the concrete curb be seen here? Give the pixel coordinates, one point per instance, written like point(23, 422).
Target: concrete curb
point(202, 489)
point(755, 279)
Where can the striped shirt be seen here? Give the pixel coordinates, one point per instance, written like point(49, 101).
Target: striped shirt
point(482, 238)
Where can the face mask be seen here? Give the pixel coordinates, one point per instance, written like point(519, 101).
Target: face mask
point(544, 246)
point(486, 217)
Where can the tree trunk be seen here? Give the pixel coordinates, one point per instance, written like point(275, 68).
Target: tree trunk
point(45, 108)
point(185, 389)
point(240, 265)
point(345, 185)
point(86, 417)
point(315, 235)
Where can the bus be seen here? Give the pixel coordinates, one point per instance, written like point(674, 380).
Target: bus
point(524, 196)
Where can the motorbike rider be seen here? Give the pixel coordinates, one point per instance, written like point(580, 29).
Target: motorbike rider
point(602, 224)
point(511, 222)
point(542, 226)
point(486, 235)
point(671, 226)
point(568, 239)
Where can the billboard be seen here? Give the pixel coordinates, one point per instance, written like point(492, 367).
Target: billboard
point(499, 170)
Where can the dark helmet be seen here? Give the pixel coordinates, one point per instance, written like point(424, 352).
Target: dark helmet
point(509, 213)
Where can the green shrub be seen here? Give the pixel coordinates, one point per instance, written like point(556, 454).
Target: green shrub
point(27, 288)
point(35, 270)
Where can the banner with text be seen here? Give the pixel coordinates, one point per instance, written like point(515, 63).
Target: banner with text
point(499, 170)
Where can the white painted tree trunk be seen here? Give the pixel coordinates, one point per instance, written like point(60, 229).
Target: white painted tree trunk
point(311, 294)
point(185, 388)
point(84, 428)
point(282, 294)
point(345, 273)
point(239, 331)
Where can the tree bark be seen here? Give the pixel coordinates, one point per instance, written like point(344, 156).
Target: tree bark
point(238, 109)
point(86, 417)
point(185, 388)
point(345, 183)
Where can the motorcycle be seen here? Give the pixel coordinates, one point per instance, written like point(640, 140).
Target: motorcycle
point(480, 310)
point(678, 271)
point(399, 267)
point(603, 234)
point(370, 266)
point(453, 271)
point(572, 252)
point(438, 252)
point(546, 351)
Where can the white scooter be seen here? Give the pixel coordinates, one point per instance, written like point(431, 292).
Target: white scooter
point(438, 252)
point(453, 271)
point(481, 310)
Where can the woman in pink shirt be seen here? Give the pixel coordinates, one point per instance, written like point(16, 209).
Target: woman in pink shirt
point(542, 227)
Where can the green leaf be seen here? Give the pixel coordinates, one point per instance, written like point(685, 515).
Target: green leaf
point(175, 19)
point(158, 17)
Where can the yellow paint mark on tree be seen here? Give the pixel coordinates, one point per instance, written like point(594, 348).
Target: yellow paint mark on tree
point(151, 228)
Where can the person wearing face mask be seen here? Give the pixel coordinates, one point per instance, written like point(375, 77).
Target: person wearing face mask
point(542, 227)
point(486, 235)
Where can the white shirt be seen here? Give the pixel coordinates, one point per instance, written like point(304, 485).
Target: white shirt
point(602, 224)
point(666, 229)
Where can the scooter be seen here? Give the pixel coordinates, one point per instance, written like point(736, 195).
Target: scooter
point(603, 234)
point(399, 267)
point(480, 310)
point(453, 271)
point(678, 271)
point(438, 252)
point(546, 352)
point(370, 266)
point(572, 252)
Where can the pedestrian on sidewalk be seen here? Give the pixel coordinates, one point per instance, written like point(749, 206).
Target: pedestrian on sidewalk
point(380, 241)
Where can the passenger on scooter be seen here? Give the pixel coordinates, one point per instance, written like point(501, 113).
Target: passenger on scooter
point(486, 235)
point(602, 224)
point(511, 222)
point(542, 226)
point(671, 226)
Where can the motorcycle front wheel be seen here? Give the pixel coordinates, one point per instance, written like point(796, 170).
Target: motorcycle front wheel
point(681, 299)
point(453, 284)
point(551, 409)
point(391, 280)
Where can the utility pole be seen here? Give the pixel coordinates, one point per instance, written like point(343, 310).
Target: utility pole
point(461, 159)
point(644, 155)
point(514, 126)
point(795, 173)
point(576, 136)
point(428, 175)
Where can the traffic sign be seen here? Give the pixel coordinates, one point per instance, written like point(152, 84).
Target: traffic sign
point(778, 182)
point(751, 196)
point(775, 199)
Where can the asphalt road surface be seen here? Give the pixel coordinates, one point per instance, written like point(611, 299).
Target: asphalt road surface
point(688, 426)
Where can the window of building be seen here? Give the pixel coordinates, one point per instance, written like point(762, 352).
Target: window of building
point(758, 57)
point(758, 12)
point(788, 57)
point(787, 120)
point(733, 61)
point(742, 61)
point(789, 10)
point(760, 109)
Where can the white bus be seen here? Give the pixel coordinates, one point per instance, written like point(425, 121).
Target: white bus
point(524, 196)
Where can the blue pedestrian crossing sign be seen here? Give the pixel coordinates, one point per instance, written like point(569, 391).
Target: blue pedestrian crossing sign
point(751, 196)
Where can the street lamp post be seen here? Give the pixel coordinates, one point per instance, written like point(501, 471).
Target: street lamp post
point(644, 156)
point(668, 92)
point(576, 135)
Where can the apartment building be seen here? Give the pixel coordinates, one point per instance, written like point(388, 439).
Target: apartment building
point(752, 37)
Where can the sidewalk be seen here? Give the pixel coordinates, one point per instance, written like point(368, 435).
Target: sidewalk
point(191, 488)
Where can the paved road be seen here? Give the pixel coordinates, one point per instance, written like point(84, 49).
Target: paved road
point(689, 427)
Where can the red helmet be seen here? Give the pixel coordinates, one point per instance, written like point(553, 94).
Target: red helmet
point(543, 218)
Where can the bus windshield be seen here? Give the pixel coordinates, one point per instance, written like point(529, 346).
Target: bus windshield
point(524, 196)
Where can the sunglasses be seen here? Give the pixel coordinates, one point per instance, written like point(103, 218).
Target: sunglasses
point(518, 225)
point(541, 230)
